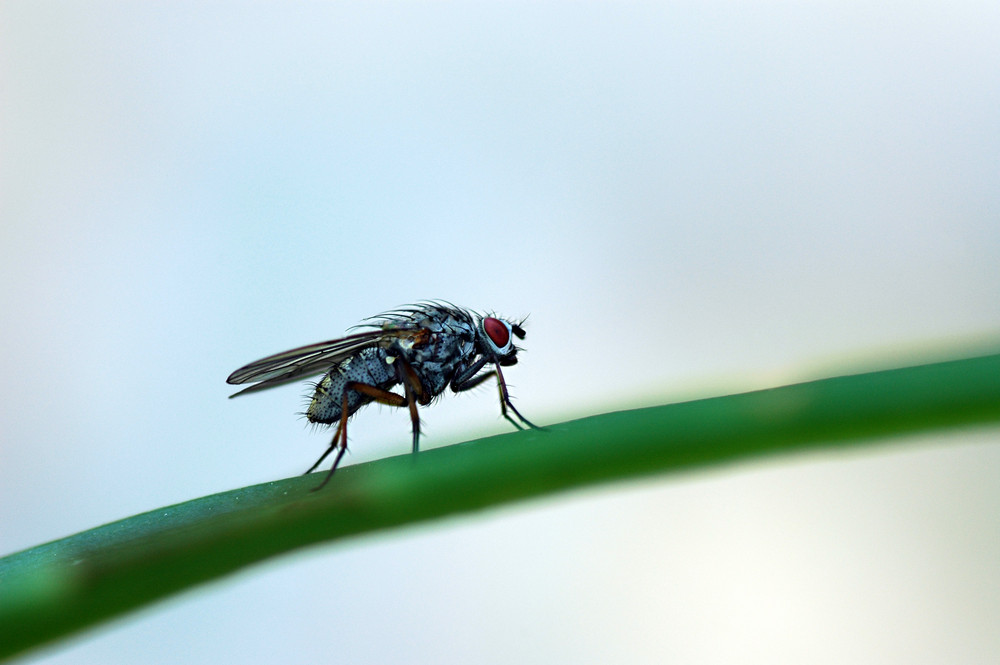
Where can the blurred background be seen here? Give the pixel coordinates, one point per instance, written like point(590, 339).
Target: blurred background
point(687, 198)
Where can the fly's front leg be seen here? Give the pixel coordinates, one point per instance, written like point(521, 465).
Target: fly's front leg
point(467, 380)
point(505, 401)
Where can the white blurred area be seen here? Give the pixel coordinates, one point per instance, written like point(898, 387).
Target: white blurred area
point(687, 198)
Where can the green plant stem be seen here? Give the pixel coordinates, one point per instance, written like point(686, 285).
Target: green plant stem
point(59, 588)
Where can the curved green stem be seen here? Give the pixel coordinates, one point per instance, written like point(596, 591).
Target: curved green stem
point(61, 587)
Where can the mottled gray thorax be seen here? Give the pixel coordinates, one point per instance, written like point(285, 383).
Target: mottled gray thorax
point(451, 344)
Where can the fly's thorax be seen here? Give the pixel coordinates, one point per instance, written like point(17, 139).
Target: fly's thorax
point(436, 357)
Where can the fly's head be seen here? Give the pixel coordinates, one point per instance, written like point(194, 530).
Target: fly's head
point(495, 339)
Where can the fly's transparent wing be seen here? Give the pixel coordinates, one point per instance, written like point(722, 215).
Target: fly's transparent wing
point(302, 362)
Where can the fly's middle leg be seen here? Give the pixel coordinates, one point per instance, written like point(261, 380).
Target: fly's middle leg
point(415, 392)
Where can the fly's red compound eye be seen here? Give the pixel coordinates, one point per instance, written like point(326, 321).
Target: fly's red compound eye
point(497, 331)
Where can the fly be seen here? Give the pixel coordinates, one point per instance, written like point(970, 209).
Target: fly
point(426, 347)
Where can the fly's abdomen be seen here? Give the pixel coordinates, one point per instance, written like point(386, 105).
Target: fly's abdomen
point(368, 366)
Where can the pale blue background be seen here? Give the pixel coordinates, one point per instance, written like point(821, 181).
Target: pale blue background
point(687, 198)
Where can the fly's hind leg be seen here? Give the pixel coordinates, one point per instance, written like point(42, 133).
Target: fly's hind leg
point(377, 394)
point(333, 446)
point(341, 433)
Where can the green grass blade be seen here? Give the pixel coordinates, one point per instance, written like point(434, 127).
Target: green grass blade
point(61, 587)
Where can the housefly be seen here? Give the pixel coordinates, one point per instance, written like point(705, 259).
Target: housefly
point(426, 347)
